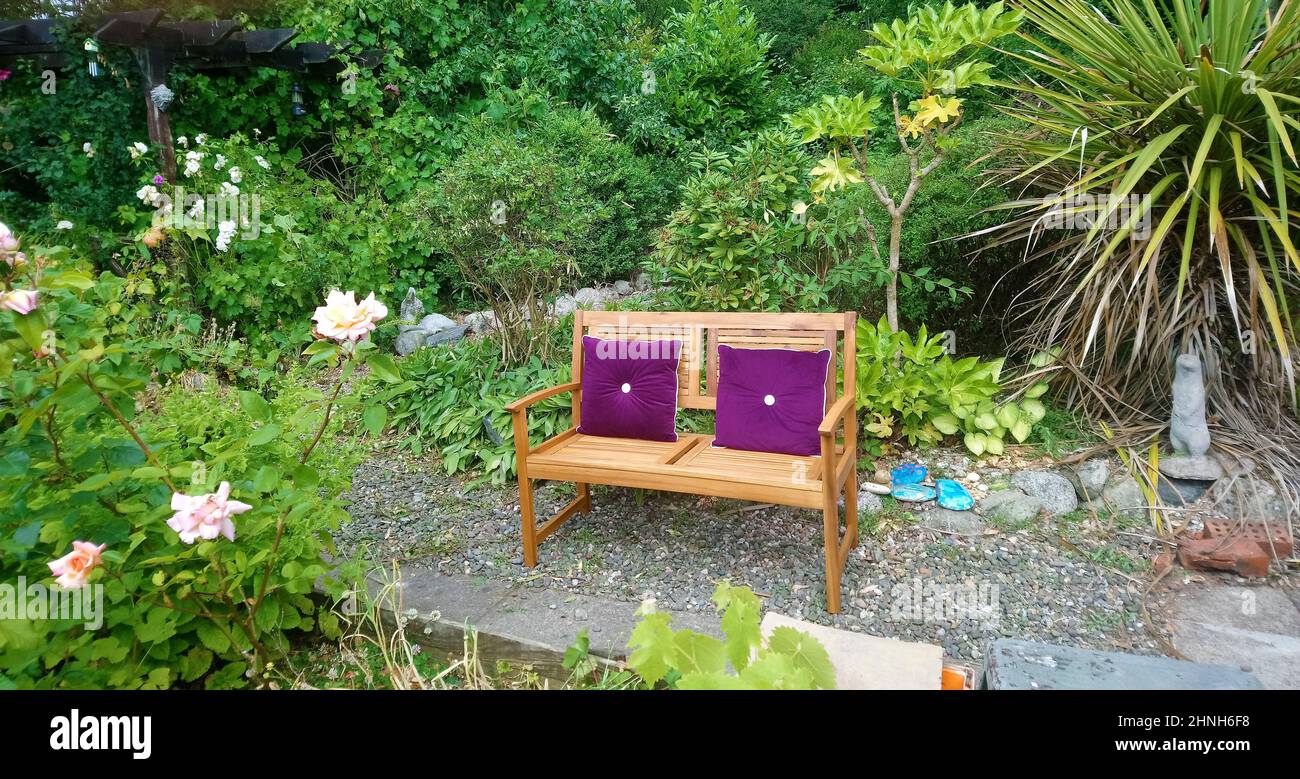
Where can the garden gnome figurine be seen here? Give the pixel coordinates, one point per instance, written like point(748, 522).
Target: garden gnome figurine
point(1187, 429)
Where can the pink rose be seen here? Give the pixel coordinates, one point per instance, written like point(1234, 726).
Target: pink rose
point(21, 301)
point(205, 516)
point(343, 319)
point(5, 74)
point(73, 568)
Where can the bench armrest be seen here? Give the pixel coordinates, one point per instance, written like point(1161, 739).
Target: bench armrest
point(540, 395)
point(837, 412)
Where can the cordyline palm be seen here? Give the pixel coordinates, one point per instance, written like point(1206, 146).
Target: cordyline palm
point(1189, 106)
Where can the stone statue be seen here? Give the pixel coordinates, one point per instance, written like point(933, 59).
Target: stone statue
point(1189, 466)
point(1187, 429)
point(412, 308)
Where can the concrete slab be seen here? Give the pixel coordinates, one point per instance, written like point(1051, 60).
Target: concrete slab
point(1273, 659)
point(1028, 665)
point(1259, 609)
point(520, 626)
point(1254, 628)
point(554, 617)
point(865, 662)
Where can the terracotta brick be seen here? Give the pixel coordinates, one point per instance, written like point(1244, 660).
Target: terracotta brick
point(1236, 554)
point(1270, 537)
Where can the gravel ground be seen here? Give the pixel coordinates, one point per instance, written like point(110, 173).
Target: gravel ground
point(1073, 580)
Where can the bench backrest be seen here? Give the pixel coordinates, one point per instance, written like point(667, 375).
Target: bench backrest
point(702, 332)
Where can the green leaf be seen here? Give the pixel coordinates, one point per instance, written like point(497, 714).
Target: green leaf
point(807, 653)
point(740, 622)
point(375, 419)
point(267, 478)
point(698, 653)
point(254, 405)
point(383, 366)
point(264, 435)
point(653, 647)
point(946, 423)
point(31, 326)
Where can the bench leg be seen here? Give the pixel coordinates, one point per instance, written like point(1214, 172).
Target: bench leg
point(831, 539)
point(584, 492)
point(851, 509)
point(528, 520)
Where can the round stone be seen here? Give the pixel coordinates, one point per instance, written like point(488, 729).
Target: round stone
point(626, 387)
point(768, 400)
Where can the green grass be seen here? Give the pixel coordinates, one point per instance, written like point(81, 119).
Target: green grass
point(1059, 431)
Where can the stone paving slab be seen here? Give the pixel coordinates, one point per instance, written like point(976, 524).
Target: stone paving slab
point(1253, 628)
point(865, 662)
point(536, 618)
point(1027, 665)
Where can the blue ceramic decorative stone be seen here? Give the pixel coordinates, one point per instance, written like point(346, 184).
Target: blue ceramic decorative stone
point(912, 493)
point(954, 496)
point(909, 473)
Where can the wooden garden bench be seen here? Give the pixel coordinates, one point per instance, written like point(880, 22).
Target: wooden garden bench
point(690, 464)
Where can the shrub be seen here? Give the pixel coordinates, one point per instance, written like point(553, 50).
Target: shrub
point(790, 24)
point(710, 73)
point(524, 210)
point(789, 659)
point(208, 596)
point(1181, 204)
point(454, 403)
point(736, 241)
point(911, 387)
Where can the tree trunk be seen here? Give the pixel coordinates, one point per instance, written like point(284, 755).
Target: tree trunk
point(891, 292)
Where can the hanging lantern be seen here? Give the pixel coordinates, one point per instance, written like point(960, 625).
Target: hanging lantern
point(297, 108)
point(91, 45)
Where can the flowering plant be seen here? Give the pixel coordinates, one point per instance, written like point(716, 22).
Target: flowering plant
point(204, 544)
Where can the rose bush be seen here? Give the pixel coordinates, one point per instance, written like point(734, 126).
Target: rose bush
point(206, 533)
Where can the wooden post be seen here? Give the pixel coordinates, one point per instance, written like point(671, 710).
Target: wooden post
point(155, 63)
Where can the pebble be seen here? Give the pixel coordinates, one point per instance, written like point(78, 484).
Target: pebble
point(678, 547)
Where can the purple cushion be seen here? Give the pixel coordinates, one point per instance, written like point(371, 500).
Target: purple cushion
point(771, 400)
point(629, 388)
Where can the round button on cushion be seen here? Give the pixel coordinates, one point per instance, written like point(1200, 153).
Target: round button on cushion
point(626, 387)
point(768, 400)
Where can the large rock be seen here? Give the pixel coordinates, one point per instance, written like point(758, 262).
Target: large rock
point(588, 298)
point(436, 323)
point(1010, 507)
point(563, 306)
point(622, 287)
point(450, 335)
point(1200, 467)
point(949, 521)
point(1089, 478)
point(1054, 490)
point(409, 340)
point(1254, 498)
point(1180, 492)
point(481, 321)
point(869, 501)
point(1124, 495)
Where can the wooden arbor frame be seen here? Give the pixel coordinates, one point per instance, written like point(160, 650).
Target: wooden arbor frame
point(691, 465)
point(158, 45)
